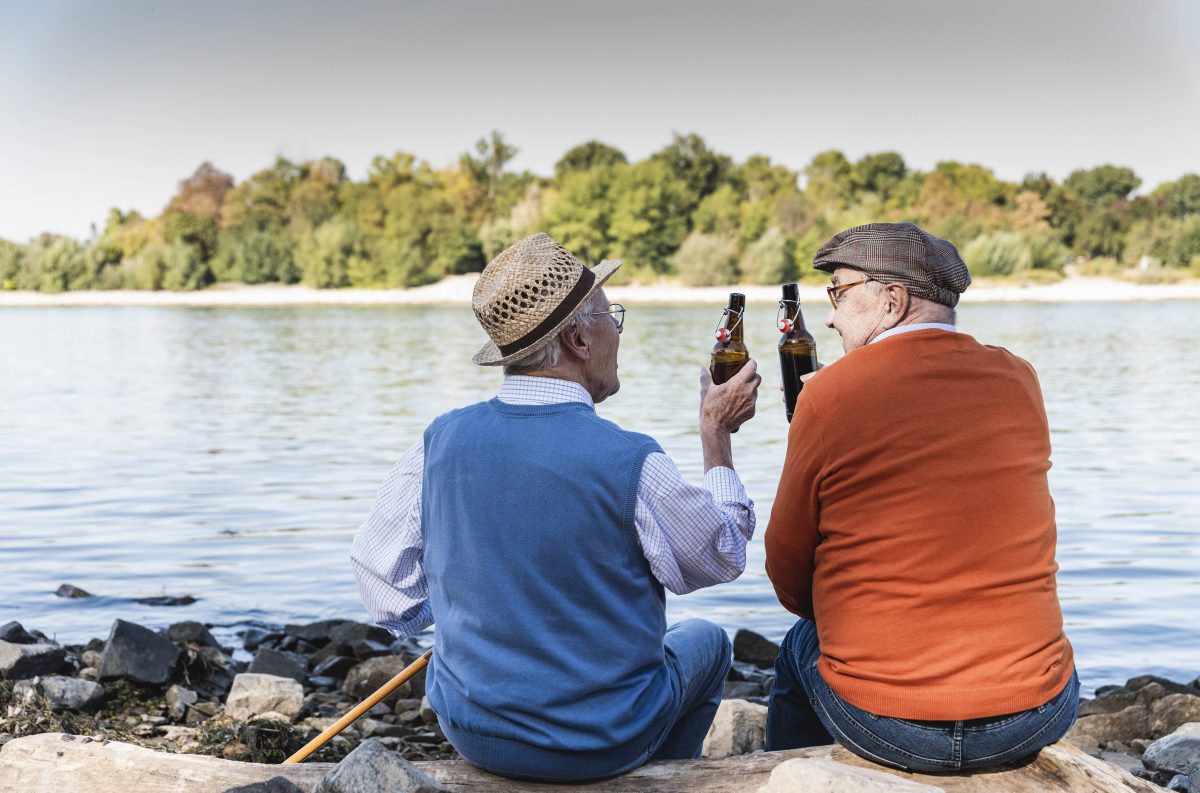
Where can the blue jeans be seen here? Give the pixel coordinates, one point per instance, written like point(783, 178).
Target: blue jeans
point(698, 654)
point(805, 711)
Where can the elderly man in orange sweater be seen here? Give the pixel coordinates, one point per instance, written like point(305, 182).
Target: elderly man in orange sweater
point(913, 530)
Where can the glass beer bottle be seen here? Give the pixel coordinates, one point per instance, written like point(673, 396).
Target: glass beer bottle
point(729, 354)
point(797, 347)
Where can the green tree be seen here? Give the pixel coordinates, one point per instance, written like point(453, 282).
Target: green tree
point(587, 156)
point(706, 260)
point(253, 256)
point(879, 173)
point(719, 213)
point(327, 255)
point(649, 218)
point(11, 255)
point(1181, 197)
point(829, 180)
point(1103, 184)
point(700, 169)
point(580, 215)
point(492, 154)
point(769, 259)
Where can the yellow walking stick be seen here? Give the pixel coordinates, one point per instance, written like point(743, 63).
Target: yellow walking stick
point(360, 709)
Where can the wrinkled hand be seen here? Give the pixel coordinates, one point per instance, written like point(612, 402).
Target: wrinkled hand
point(804, 378)
point(729, 405)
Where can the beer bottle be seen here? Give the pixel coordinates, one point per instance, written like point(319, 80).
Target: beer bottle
point(729, 354)
point(797, 347)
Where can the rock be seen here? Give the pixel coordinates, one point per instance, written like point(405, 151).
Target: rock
point(1181, 783)
point(21, 661)
point(190, 631)
point(1149, 717)
point(70, 693)
point(322, 681)
point(369, 676)
point(428, 714)
point(71, 591)
point(1176, 753)
point(316, 633)
point(754, 649)
point(14, 633)
point(138, 654)
point(276, 784)
point(366, 648)
point(742, 689)
point(375, 728)
point(54, 763)
point(737, 728)
point(328, 651)
point(273, 662)
point(353, 632)
point(373, 768)
point(253, 694)
point(826, 776)
point(91, 658)
point(1135, 683)
point(253, 638)
point(178, 700)
point(166, 600)
point(1121, 760)
point(89, 673)
point(336, 666)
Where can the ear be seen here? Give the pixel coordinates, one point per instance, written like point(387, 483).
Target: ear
point(898, 299)
point(575, 343)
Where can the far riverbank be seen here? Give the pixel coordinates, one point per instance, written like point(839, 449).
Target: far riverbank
point(456, 290)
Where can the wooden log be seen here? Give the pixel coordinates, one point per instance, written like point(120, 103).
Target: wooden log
point(57, 763)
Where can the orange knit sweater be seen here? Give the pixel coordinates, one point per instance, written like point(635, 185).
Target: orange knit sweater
point(914, 524)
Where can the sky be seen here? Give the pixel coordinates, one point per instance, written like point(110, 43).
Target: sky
point(110, 104)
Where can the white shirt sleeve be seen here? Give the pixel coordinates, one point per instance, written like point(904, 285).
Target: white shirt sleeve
point(389, 551)
point(693, 537)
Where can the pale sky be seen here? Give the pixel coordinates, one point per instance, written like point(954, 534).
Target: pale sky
point(108, 104)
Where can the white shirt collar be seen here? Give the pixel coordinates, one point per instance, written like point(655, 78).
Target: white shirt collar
point(918, 326)
point(520, 389)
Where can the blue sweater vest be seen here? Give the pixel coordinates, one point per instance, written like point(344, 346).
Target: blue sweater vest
point(550, 623)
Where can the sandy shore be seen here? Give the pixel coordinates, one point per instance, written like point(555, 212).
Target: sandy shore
point(456, 290)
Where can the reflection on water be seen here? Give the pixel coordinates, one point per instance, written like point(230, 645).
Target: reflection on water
point(230, 454)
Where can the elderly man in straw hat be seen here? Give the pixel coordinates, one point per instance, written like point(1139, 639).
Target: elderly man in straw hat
point(913, 531)
point(539, 537)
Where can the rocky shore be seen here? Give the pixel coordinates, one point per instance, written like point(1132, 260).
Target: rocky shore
point(179, 691)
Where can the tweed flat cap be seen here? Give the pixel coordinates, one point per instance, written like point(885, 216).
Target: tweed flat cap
point(899, 253)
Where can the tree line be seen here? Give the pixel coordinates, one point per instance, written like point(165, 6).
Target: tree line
point(686, 212)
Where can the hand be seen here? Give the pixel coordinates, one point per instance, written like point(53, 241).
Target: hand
point(731, 404)
point(804, 378)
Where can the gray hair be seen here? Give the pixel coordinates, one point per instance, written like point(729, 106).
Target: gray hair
point(547, 357)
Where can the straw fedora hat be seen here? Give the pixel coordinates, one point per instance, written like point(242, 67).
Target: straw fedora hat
point(527, 293)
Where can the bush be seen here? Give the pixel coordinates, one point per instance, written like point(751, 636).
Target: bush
point(1007, 253)
point(184, 268)
point(706, 260)
point(324, 255)
point(769, 260)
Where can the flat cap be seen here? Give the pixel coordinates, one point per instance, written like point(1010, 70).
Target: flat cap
point(902, 253)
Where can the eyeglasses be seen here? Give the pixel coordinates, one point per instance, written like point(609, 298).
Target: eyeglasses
point(616, 312)
point(835, 292)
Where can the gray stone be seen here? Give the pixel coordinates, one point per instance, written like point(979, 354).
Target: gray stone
point(752, 648)
point(21, 661)
point(15, 633)
point(91, 658)
point(1148, 718)
point(337, 666)
point(71, 591)
point(353, 632)
point(276, 784)
point(138, 654)
point(1179, 754)
point(373, 768)
point(369, 676)
point(166, 600)
point(1181, 783)
point(317, 633)
point(428, 714)
point(71, 693)
point(1124, 760)
point(742, 689)
point(328, 651)
point(190, 631)
point(273, 662)
point(253, 694)
point(178, 700)
point(738, 728)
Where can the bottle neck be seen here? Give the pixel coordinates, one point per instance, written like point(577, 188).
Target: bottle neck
point(732, 321)
point(790, 311)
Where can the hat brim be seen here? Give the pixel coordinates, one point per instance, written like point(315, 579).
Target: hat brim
point(490, 355)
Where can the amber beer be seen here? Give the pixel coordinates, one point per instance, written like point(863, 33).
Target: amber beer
point(729, 354)
point(797, 347)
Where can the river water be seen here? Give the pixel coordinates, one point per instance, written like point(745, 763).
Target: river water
point(230, 453)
